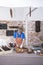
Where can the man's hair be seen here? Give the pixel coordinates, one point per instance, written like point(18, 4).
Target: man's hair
point(21, 28)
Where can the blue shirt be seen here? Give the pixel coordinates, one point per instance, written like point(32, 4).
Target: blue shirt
point(19, 35)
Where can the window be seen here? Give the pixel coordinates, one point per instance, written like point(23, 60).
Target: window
point(37, 26)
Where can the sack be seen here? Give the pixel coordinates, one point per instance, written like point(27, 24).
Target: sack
point(20, 50)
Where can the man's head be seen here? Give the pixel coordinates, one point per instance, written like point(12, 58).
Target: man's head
point(20, 29)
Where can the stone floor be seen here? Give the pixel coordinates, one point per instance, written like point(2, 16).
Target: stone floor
point(14, 58)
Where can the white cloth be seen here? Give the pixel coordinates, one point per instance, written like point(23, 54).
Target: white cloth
point(4, 41)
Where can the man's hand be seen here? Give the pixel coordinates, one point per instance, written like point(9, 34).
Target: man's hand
point(17, 45)
point(21, 46)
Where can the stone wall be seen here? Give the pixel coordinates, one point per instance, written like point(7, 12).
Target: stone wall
point(7, 39)
point(32, 35)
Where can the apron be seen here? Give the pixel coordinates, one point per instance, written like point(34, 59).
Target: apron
point(19, 39)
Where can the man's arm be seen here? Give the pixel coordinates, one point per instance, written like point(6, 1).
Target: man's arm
point(15, 42)
point(23, 37)
point(22, 43)
point(15, 33)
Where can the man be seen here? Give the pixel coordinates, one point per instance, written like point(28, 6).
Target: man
point(19, 37)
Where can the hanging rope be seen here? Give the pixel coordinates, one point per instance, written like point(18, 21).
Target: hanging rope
point(11, 13)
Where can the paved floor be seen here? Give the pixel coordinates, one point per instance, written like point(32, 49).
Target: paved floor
point(21, 59)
